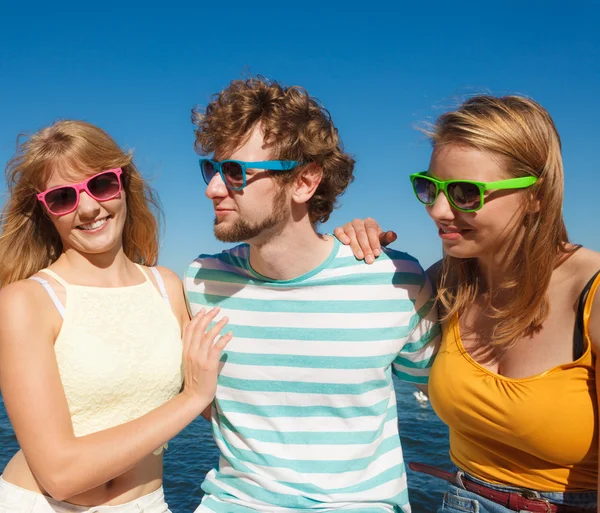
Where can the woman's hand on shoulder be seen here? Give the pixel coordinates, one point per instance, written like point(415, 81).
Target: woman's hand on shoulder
point(365, 237)
point(202, 353)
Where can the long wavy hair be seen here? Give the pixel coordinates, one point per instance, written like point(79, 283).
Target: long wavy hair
point(28, 240)
point(522, 134)
point(296, 127)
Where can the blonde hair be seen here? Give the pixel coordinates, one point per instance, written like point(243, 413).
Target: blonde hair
point(522, 134)
point(296, 125)
point(28, 239)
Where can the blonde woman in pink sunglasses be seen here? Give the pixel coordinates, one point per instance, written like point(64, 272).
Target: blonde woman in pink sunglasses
point(93, 333)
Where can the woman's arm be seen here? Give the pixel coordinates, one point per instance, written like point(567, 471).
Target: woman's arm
point(66, 465)
point(365, 237)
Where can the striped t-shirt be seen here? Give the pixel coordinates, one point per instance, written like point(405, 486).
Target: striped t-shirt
point(305, 412)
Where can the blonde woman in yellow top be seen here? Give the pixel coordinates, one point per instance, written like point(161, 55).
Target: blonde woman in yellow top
point(515, 378)
point(92, 334)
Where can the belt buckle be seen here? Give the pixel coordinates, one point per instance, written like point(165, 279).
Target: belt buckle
point(533, 496)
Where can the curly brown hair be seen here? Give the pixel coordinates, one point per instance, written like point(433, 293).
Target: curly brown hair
point(295, 125)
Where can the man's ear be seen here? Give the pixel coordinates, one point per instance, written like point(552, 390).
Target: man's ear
point(306, 183)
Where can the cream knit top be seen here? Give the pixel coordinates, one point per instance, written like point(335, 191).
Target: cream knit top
point(118, 352)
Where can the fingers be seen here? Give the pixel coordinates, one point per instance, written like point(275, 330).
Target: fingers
point(373, 230)
point(196, 328)
point(208, 338)
point(340, 233)
point(221, 343)
point(199, 339)
point(362, 239)
point(348, 236)
point(386, 238)
point(365, 237)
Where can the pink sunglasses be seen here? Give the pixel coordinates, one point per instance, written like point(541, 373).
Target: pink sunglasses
point(64, 199)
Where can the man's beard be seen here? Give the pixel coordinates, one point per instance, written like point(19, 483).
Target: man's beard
point(242, 230)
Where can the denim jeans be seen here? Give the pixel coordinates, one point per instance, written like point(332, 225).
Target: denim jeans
point(459, 500)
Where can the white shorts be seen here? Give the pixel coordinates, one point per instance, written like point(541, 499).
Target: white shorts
point(14, 499)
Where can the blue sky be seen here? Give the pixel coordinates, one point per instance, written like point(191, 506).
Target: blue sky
point(381, 68)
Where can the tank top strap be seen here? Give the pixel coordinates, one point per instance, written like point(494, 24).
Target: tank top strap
point(59, 306)
point(55, 276)
point(143, 271)
point(159, 281)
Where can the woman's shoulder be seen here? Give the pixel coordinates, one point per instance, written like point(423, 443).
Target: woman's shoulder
point(582, 266)
point(25, 301)
point(585, 265)
point(21, 294)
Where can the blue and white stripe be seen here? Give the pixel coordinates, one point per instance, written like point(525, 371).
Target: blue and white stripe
point(305, 413)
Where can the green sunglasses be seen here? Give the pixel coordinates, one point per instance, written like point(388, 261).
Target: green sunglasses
point(463, 195)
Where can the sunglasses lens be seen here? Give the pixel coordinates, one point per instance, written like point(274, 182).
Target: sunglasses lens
point(234, 176)
point(464, 195)
point(425, 190)
point(61, 201)
point(104, 186)
point(208, 170)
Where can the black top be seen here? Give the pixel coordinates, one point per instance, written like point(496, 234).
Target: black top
point(578, 335)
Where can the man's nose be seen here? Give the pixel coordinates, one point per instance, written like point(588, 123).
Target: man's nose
point(216, 188)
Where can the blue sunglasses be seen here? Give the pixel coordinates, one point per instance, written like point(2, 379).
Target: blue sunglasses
point(233, 172)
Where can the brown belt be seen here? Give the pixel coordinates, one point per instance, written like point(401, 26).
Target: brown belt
point(517, 501)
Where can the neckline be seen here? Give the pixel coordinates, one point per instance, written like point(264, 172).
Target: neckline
point(66, 284)
point(303, 277)
point(99, 288)
point(455, 327)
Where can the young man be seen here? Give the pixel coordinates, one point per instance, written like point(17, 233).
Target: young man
point(305, 413)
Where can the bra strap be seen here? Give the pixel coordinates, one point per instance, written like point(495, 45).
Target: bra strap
point(583, 312)
point(161, 284)
point(59, 306)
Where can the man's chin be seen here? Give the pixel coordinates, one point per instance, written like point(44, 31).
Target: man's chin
point(225, 236)
point(229, 233)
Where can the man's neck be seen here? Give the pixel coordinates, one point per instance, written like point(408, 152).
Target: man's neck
point(296, 250)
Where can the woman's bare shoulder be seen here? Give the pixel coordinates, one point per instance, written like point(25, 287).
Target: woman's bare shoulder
point(20, 296)
point(583, 265)
point(25, 308)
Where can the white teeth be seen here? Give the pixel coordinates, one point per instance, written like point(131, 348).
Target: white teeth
point(446, 230)
point(94, 225)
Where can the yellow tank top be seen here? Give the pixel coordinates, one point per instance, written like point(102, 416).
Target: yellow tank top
point(118, 353)
point(539, 432)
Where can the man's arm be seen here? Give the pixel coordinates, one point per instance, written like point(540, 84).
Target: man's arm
point(416, 357)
